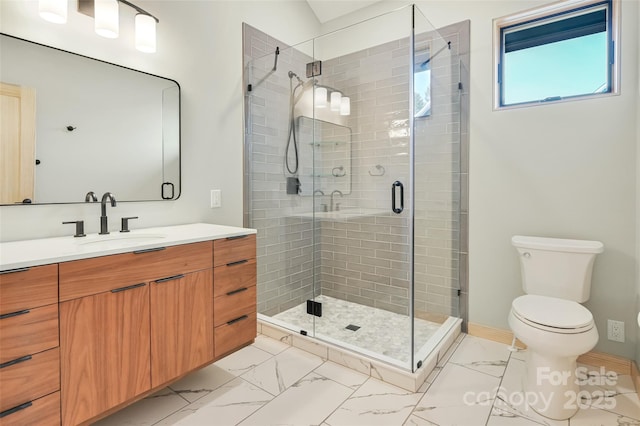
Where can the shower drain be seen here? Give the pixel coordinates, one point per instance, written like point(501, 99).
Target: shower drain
point(352, 327)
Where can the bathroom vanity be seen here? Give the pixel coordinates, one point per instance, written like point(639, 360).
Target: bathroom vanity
point(90, 325)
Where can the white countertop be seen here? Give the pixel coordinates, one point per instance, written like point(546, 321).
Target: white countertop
point(22, 254)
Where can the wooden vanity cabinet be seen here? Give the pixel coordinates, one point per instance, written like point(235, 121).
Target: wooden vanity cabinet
point(29, 353)
point(131, 322)
point(83, 338)
point(181, 325)
point(104, 341)
point(234, 316)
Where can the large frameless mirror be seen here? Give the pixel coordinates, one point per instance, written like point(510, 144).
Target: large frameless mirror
point(73, 124)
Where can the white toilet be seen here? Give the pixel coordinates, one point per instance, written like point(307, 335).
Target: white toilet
point(549, 319)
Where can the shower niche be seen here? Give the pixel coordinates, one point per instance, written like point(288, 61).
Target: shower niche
point(375, 233)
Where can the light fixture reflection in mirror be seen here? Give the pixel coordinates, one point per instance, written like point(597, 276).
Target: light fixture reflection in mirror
point(320, 97)
point(53, 11)
point(336, 97)
point(345, 106)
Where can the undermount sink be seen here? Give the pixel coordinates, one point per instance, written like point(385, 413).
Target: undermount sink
point(120, 239)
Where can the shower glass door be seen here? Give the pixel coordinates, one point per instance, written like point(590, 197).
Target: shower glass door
point(277, 195)
point(362, 187)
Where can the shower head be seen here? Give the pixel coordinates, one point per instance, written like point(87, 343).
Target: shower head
point(293, 74)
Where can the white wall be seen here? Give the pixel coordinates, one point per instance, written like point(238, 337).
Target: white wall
point(564, 170)
point(200, 46)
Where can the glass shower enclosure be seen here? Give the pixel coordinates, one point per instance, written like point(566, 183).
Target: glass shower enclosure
point(352, 179)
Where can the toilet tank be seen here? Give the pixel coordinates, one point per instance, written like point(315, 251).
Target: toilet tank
point(557, 267)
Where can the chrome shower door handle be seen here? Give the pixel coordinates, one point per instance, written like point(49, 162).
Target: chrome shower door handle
point(394, 187)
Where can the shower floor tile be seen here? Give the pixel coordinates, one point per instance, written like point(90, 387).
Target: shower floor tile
point(380, 331)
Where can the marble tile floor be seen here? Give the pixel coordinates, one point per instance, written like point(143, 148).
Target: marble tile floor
point(338, 314)
point(478, 382)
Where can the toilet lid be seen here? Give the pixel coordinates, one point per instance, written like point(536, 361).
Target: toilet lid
point(552, 312)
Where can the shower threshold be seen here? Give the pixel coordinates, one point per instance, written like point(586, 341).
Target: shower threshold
point(364, 360)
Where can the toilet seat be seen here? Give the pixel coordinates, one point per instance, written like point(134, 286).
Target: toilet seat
point(552, 314)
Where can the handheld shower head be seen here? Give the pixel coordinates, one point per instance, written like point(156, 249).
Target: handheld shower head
point(293, 74)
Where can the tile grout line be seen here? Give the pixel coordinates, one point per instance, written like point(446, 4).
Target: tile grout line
point(434, 379)
point(221, 385)
point(350, 395)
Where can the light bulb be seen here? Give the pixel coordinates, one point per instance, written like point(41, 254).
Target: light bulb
point(335, 101)
point(345, 106)
point(320, 97)
point(145, 33)
point(106, 18)
point(53, 11)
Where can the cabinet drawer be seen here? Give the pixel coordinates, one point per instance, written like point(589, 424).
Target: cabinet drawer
point(234, 305)
point(31, 332)
point(44, 411)
point(234, 249)
point(228, 278)
point(28, 288)
point(91, 276)
point(29, 378)
point(235, 334)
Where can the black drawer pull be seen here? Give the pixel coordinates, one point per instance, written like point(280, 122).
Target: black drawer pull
point(233, 321)
point(16, 409)
point(129, 287)
point(149, 250)
point(240, 290)
point(164, 280)
point(239, 262)
point(11, 271)
point(16, 361)
point(237, 237)
point(14, 314)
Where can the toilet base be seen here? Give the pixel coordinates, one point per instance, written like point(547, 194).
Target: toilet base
point(551, 385)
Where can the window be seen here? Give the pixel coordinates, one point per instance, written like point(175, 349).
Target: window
point(563, 51)
point(422, 84)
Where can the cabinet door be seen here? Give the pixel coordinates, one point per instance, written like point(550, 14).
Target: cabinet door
point(104, 351)
point(181, 325)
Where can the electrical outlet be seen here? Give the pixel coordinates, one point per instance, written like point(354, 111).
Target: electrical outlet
point(615, 331)
point(216, 198)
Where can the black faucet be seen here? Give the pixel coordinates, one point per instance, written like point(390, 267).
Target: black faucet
point(104, 227)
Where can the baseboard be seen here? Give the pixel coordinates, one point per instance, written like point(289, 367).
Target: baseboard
point(635, 373)
point(595, 359)
point(610, 362)
point(493, 334)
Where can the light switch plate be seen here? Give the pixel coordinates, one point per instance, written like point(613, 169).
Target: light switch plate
point(216, 198)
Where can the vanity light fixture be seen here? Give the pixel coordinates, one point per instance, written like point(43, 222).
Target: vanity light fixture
point(107, 15)
point(53, 11)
